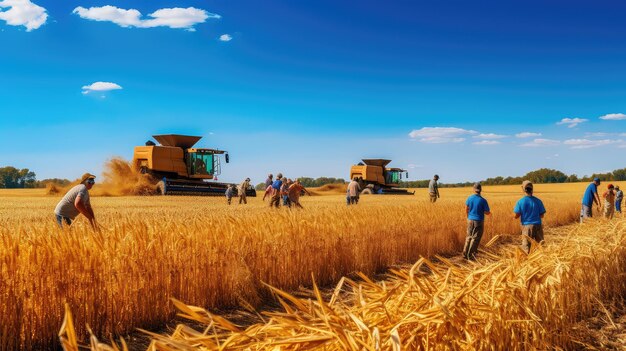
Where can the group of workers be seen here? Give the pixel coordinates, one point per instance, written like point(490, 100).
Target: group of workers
point(529, 209)
point(283, 190)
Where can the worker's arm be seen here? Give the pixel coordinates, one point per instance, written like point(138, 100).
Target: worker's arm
point(488, 213)
point(467, 209)
point(518, 215)
point(541, 215)
point(86, 210)
point(306, 191)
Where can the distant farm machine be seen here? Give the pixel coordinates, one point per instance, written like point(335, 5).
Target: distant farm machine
point(374, 178)
point(181, 168)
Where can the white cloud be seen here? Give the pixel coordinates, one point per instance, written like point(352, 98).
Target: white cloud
point(572, 122)
point(439, 135)
point(100, 86)
point(614, 117)
point(169, 17)
point(541, 142)
point(413, 166)
point(487, 142)
point(226, 37)
point(527, 135)
point(489, 136)
point(586, 143)
point(23, 13)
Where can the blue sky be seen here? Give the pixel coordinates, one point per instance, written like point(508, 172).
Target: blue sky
point(310, 87)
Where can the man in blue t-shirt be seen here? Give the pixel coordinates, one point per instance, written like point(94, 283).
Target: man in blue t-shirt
point(476, 207)
point(276, 185)
point(591, 196)
point(530, 209)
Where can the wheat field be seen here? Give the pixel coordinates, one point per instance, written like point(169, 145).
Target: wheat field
point(202, 252)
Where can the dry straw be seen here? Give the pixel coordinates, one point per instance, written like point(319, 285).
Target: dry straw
point(200, 251)
point(506, 301)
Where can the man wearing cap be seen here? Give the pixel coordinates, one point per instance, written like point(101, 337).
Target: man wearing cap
point(242, 191)
point(591, 196)
point(609, 201)
point(75, 202)
point(619, 196)
point(530, 209)
point(476, 207)
point(433, 189)
point(276, 185)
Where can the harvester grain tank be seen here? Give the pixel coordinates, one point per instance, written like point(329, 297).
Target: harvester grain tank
point(375, 178)
point(181, 168)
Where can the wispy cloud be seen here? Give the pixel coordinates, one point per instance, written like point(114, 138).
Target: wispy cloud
point(176, 17)
point(572, 122)
point(527, 135)
point(226, 37)
point(614, 117)
point(487, 142)
point(23, 13)
point(541, 142)
point(101, 87)
point(440, 135)
point(490, 136)
point(587, 143)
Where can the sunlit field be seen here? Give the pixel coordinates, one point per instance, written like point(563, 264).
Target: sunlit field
point(205, 253)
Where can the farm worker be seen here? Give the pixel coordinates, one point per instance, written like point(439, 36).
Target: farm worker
point(242, 191)
point(268, 192)
point(619, 196)
point(354, 189)
point(609, 201)
point(591, 196)
point(269, 180)
point(295, 190)
point(284, 192)
point(76, 201)
point(476, 207)
point(531, 211)
point(230, 191)
point(276, 185)
point(433, 189)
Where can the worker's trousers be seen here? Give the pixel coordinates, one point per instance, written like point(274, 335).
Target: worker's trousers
point(531, 232)
point(475, 231)
point(275, 200)
point(242, 198)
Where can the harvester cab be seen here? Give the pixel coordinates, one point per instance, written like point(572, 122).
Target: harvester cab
point(182, 168)
point(375, 178)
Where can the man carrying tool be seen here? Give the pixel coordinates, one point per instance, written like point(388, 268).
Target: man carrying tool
point(276, 185)
point(591, 196)
point(476, 207)
point(242, 191)
point(433, 189)
point(531, 210)
point(76, 201)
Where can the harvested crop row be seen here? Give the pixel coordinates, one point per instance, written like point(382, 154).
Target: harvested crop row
point(205, 253)
point(506, 301)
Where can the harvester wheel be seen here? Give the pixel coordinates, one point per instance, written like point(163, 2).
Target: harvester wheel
point(160, 188)
point(366, 191)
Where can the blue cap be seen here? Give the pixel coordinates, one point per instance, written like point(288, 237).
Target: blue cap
point(596, 179)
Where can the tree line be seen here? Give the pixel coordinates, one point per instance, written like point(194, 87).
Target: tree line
point(311, 182)
point(13, 178)
point(543, 175)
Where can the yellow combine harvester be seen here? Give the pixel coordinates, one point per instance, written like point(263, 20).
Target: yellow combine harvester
point(182, 168)
point(374, 178)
